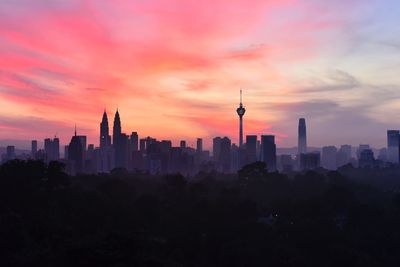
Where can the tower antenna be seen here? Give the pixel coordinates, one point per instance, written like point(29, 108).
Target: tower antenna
point(75, 129)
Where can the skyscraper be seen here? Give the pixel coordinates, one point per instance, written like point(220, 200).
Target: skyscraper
point(199, 145)
point(344, 155)
point(251, 148)
point(34, 148)
point(183, 144)
point(52, 149)
point(116, 128)
point(240, 111)
point(302, 135)
point(225, 155)
point(216, 148)
point(134, 141)
point(329, 157)
point(268, 151)
point(310, 161)
point(10, 153)
point(393, 142)
point(75, 155)
point(120, 144)
point(105, 139)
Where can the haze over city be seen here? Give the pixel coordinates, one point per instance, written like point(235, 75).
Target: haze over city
point(174, 68)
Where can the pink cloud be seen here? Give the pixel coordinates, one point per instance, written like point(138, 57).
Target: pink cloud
point(78, 57)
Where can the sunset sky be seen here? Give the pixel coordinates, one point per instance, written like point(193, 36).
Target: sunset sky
point(174, 68)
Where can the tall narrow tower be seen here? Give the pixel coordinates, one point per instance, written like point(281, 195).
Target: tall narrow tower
point(104, 131)
point(302, 141)
point(240, 111)
point(116, 128)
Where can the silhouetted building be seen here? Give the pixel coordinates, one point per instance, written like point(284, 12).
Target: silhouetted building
point(393, 143)
point(344, 155)
point(121, 151)
point(361, 148)
point(83, 139)
point(10, 153)
point(199, 145)
point(66, 152)
point(329, 155)
point(383, 153)
point(225, 155)
point(89, 160)
point(285, 163)
point(234, 158)
point(134, 141)
point(34, 148)
point(52, 149)
point(366, 159)
point(251, 149)
point(116, 128)
point(302, 136)
point(183, 144)
point(105, 138)
point(120, 144)
point(268, 151)
point(145, 143)
point(216, 148)
point(75, 155)
point(310, 161)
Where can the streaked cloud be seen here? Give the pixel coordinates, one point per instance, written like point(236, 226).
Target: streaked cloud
point(174, 68)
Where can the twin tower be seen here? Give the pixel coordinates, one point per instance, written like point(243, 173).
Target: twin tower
point(105, 138)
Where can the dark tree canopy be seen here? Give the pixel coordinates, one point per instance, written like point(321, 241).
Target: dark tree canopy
point(349, 217)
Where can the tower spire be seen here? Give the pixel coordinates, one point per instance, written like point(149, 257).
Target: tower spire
point(240, 111)
point(75, 129)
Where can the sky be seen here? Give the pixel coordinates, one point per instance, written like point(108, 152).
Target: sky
point(174, 68)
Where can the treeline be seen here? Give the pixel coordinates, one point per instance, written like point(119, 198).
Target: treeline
point(255, 218)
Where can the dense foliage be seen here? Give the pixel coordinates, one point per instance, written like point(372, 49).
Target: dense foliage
point(254, 218)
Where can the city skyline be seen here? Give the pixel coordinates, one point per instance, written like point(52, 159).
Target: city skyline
point(135, 153)
point(173, 69)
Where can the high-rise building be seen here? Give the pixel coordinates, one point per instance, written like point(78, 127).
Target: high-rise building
point(382, 154)
point(285, 163)
point(329, 157)
point(199, 145)
point(116, 128)
point(183, 144)
point(251, 149)
point(268, 151)
point(393, 143)
point(34, 146)
point(105, 138)
point(344, 155)
point(120, 143)
point(52, 149)
point(10, 153)
point(361, 148)
point(216, 148)
point(234, 158)
point(310, 161)
point(134, 141)
point(366, 159)
point(66, 147)
point(225, 155)
point(75, 155)
point(83, 139)
point(302, 136)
